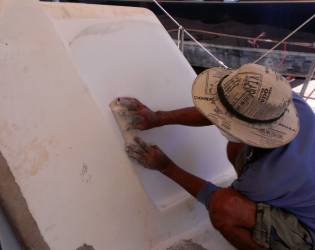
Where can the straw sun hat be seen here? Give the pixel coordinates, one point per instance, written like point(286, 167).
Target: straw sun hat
point(253, 104)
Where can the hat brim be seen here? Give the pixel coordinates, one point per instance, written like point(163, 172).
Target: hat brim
point(263, 135)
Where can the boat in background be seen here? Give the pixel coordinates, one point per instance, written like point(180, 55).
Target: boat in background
point(240, 32)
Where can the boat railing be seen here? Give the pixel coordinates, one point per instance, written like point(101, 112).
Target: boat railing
point(182, 31)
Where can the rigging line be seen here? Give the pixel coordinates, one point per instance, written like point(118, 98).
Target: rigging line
point(309, 79)
point(292, 33)
point(265, 40)
point(309, 96)
point(191, 36)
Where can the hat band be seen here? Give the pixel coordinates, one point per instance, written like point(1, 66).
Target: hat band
point(234, 112)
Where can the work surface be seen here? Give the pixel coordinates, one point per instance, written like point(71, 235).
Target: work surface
point(60, 68)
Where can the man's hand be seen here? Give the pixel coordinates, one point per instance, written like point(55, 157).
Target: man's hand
point(149, 156)
point(138, 115)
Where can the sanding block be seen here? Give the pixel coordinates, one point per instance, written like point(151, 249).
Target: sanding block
point(123, 118)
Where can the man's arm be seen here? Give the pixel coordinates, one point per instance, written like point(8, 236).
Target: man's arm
point(230, 212)
point(141, 117)
point(186, 116)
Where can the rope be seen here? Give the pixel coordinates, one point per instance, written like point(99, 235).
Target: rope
point(213, 56)
point(309, 96)
point(300, 44)
point(284, 39)
point(191, 36)
point(253, 41)
point(309, 79)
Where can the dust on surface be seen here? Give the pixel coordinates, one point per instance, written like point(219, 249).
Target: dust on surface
point(85, 247)
point(85, 176)
point(186, 245)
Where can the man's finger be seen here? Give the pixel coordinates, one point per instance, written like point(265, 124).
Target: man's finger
point(134, 155)
point(138, 157)
point(143, 144)
point(135, 148)
point(156, 147)
point(129, 103)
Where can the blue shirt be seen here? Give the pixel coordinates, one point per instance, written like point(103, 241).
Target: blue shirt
point(285, 177)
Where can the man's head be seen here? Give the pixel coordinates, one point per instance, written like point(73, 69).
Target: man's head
point(253, 104)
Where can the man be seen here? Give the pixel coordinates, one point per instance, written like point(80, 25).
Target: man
point(271, 133)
